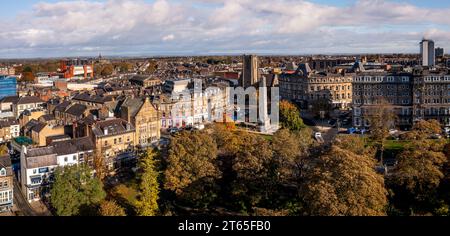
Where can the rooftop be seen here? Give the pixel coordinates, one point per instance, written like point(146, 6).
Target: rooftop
point(77, 110)
point(72, 146)
point(112, 127)
point(92, 98)
point(29, 99)
point(5, 162)
point(40, 157)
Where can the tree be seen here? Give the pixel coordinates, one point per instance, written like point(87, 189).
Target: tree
point(111, 208)
point(227, 141)
point(147, 205)
point(99, 165)
point(381, 118)
point(153, 67)
point(27, 77)
point(354, 144)
point(254, 170)
point(191, 168)
point(27, 68)
point(125, 66)
point(290, 150)
point(4, 150)
point(290, 116)
point(107, 70)
point(98, 69)
point(417, 176)
point(75, 188)
point(423, 129)
point(342, 183)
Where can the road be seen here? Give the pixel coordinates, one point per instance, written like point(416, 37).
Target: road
point(328, 132)
point(20, 203)
point(330, 135)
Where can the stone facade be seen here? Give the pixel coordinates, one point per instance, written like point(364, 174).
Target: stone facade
point(145, 118)
point(412, 96)
point(305, 87)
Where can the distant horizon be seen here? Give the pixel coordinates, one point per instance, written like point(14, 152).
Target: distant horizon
point(203, 55)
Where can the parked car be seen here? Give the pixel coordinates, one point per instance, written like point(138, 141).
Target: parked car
point(173, 130)
point(199, 127)
point(446, 130)
point(393, 131)
point(351, 130)
point(189, 128)
point(318, 135)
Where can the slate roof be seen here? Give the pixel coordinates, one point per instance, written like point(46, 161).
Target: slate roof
point(8, 123)
point(11, 99)
point(62, 106)
point(38, 127)
point(48, 117)
point(31, 124)
point(5, 162)
point(141, 78)
point(88, 120)
point(72, 146)
point(29, 99)
point(40, 157)
point(54, 101)
point(133, 105)
point(114, 127)
point(94, 98)
point(304, 69)
point(76, 110)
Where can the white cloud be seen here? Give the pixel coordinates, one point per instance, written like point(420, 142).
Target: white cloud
point(276, 26)
point(169, 37)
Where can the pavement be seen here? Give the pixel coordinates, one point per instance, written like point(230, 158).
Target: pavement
point(40, 208)
point(23, 208)
point(21, 205)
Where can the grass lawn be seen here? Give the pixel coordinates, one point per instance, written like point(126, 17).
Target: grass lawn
point(267, 137)
point(395, 145)
point(126, 195)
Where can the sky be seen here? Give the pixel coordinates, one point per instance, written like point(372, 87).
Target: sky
point(50, 28)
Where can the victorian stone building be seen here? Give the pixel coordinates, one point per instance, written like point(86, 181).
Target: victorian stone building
point(141, 113)
point(411, 96)
point(305, 86)
point(373, 89)
point(431, 96)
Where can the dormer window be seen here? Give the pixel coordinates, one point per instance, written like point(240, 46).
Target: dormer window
point(3, 172)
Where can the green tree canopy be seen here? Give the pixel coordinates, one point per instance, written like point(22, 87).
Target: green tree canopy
point(75, 188)
point(147, 205)
point(290, 116)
